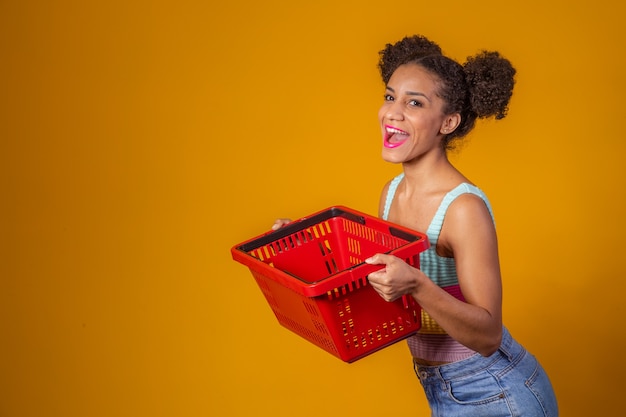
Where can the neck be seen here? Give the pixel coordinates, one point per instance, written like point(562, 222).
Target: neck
point(431, 174)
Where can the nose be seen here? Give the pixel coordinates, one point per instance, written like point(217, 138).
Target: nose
point(393, 110)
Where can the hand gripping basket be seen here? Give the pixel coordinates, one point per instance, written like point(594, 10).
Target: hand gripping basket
point(313, 275)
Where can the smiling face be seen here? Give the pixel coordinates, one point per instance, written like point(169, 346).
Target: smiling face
point(412, 119)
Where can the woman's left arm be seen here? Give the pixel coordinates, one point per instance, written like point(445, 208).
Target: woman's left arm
point(469, 235)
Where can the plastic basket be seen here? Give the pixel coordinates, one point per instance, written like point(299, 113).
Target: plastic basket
point(313, 275)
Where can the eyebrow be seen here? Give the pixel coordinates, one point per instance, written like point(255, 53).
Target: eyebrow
point(411, 93)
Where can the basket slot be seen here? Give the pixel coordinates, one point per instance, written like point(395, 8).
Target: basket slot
point(308, 334)
point(348, 327)
point(329, 260)
point(358, 237)
point(320, 230)
point(325, 248)
point(311, 308)
point(354, 246)
point(348, 288)
point(379, 335)
point(320, 327)
point(265, 289)
point(343, 307)
point(331, 266)
point(371, 336)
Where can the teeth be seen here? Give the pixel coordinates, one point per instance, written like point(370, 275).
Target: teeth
point(394, 130)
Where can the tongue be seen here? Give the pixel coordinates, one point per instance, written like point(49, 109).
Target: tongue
point(397, 138)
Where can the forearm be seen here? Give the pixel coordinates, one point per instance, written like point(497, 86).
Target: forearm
point(471, 325)
point(475, 323)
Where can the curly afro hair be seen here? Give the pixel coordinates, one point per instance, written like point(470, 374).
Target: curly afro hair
point(480, 88)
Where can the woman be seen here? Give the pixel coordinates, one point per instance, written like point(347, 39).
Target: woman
point(465, 359)
point(467, 362)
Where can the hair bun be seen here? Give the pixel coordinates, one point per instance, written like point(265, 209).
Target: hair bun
point(490, 78)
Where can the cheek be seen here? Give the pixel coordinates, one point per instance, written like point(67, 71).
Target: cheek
point(381, 115)
point(382, 111)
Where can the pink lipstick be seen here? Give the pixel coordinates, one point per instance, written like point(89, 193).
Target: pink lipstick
point(394, 137)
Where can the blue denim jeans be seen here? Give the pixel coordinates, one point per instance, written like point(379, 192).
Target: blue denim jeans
point(511, 382)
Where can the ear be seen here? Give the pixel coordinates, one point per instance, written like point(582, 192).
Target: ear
point(450, 123)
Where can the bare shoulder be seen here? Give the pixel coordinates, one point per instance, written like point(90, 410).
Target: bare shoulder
point(467, 222)
point(468, 208)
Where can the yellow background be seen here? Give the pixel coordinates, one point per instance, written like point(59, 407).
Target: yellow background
point(140, 140)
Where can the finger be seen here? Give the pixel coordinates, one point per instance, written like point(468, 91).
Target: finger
point(378, 291)
point(378, 259)
point(383, 291)
point(280, 223)
point(373, 277)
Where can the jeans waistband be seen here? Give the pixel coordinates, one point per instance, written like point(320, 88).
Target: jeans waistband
point(509, 350)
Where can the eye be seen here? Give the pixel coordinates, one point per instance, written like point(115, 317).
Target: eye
point(415, 103)
point(388, 97)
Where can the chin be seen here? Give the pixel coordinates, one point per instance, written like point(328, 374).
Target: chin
point(391, 158)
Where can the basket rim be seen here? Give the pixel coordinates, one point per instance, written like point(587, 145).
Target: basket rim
point(415, 242)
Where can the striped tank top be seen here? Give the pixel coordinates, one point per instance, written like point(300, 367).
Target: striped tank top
point(431, 342)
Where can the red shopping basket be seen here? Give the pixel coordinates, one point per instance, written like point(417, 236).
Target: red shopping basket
point(313, 276)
